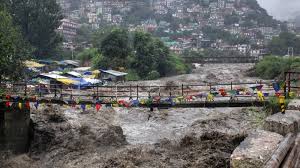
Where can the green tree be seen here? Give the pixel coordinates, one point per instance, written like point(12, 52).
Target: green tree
point(153, 59)
point(13, 49)
point(38, 21)
point(98, 61)
point(142, 55)
point(115, 47)
point(87, 55)
point(100, 34)
point(279, 45)
point(84, 34)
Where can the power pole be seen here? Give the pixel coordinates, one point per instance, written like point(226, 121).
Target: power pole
point(291, 51)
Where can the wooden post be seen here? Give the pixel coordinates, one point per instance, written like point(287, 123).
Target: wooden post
point(289, 83)
point(182, 90)
point(159, 91)
point(130, 94)
point(55, 94)
point(97, 90)
point(285, 73)
point(61, 91)
point(13, 88)
point(116, 92)
point(231, 86)
point(25, 88)
point(137, 92)
point(40, 92)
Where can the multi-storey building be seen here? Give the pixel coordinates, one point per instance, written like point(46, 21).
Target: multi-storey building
point(68, 29)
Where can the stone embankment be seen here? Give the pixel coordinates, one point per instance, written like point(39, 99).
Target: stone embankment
point(14, 129)
point(276, 145)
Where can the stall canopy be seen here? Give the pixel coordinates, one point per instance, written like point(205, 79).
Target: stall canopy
point(82, 69)
point(74, 74)
point(114, 73)
point(80, 83)
point(52, 76)
point(67, 81)
point(92, 81)
point(32, 64)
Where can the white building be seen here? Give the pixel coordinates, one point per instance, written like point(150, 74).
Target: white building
point(68, 29)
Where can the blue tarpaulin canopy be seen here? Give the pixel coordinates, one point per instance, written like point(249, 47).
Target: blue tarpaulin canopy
point(88, 73)
point(81, 83)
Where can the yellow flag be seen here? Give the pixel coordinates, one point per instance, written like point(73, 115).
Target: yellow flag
point(20, 106)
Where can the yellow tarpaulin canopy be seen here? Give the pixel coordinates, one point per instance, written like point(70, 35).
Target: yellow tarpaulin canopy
point(96, 72)
point(32, 64)
point(91, 76)
point(66, 81)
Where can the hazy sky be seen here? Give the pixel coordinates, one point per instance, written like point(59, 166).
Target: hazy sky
point(281, 9)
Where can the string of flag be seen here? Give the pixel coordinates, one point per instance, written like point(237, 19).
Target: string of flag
point(27, 103)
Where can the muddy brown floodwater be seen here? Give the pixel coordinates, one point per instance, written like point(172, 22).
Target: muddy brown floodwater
point(119, 137)
point(65, 137)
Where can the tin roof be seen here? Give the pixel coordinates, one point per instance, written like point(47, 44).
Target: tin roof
point(114, 73)
point(53, 76)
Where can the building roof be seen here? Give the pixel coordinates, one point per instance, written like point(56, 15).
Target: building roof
point(70, 62)
point(81, 69)
point(114, 73)
point(75, 74)
point(52, 76)
point(33, 64)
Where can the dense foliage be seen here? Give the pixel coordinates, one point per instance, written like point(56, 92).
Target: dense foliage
point(138, 53)
point(273, 67)
point(13, 49)
point(87, 55)
point(38, 21)
point(279, 45)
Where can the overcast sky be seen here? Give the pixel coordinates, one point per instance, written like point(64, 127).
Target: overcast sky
point(281, 9)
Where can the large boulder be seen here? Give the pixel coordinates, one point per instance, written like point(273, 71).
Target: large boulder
point(255, 150)
point(283, 123)
point(294, 105)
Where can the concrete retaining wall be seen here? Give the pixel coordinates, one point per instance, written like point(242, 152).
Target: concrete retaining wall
point(14, 129)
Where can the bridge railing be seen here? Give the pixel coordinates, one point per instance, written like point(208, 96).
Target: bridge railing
point(292, 83)
point(61, 91)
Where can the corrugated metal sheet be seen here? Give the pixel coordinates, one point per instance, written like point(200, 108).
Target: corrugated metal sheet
point(53, 76)
point(75, 74)
point(114, 73)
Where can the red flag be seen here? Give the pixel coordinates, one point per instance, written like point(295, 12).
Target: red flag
point(98, 106)
point(7, 104)
point(27, 105)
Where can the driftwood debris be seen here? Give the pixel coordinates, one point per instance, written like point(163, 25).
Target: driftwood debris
point(255, 150)
point(297, 157)
point(291, 158)
point(279, 155)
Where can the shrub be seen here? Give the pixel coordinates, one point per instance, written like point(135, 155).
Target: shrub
point(153, 75)
point(177, 66)
point(132, 75)
point(272, 67)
